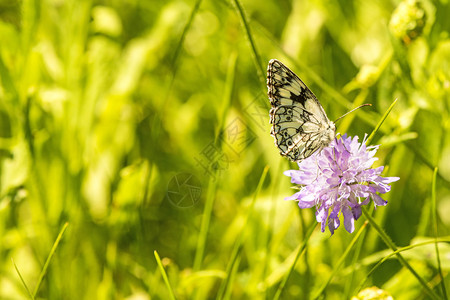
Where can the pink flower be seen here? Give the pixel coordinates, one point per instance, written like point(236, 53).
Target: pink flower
point(340, 179)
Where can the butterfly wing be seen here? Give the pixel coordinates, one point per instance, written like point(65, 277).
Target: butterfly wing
point(300, 125)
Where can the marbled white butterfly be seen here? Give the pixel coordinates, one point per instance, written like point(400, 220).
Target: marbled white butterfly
point(300, 125)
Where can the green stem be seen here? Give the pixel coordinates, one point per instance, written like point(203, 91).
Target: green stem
point(206, 219)
point(234, 259)
point(301, 249)
point(49, 258)
point(400, 258)
point(434, 220)
point(395, 253)
point(23, 281)
point(185, 31)
point(256, 57)
point(372, 135)
point(164, 275)
point(341, 261)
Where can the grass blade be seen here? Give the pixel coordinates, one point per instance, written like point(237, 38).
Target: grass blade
point(434, 220)
point(49, 258)
point(400, 258)
point(341, 260)
point(379, 263)
point(372, 135)
point(256, 57)
point(185, 31)
point(227, 95)
point(7, 82)
point(231, 268)
point(301, 249)
point(355, 260)
point(23, 281)
point(164, 275)
point(205, 224)
point(271, 217)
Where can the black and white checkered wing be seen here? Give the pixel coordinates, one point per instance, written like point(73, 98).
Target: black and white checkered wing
point(300, 125)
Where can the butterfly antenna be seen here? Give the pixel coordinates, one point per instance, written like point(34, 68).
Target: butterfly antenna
point(367, 104)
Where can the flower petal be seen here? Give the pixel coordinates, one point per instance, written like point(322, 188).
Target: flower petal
point(349, 220)
point(377, 200)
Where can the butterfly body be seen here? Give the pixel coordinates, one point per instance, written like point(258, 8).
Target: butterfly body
point(300, 125)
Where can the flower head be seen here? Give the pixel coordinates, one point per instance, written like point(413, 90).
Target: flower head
point(340, 179)
point(373, 293)
point(408, 20)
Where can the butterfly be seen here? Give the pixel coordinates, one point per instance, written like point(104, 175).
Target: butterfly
point(300, 125)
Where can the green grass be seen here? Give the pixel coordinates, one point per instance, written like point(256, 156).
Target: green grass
point(105, 106)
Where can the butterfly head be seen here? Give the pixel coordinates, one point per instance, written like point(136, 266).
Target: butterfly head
point(328, 134)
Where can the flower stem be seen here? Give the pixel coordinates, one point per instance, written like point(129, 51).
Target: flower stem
point(301, 249)
point(372, 135)
point(248, 33)
point(340, 262)
point(401, 259)
point(434, 220)
point(49, 258)
point(164, 275)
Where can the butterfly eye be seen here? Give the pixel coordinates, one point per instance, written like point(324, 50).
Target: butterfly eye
point(289, 143)
point(288, 118)
point(286, 134)
point(289, 111)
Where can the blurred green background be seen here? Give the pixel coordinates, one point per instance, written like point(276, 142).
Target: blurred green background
point(144, 125)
